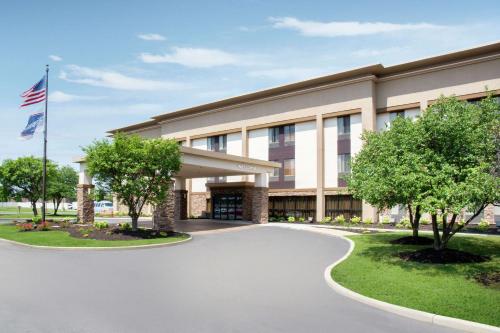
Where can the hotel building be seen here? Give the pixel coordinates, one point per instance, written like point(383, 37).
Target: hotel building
point(313, 128)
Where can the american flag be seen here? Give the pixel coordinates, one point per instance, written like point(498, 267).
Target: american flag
point(35, 94)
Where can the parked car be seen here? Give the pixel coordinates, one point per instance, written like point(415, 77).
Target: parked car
point(103, 206)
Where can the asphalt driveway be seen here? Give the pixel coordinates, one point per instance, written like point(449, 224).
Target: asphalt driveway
point(261, 279)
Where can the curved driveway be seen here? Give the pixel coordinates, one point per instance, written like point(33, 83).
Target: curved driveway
point(262, 279)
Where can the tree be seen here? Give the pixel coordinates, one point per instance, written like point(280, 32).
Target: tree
point(22, 178)
point(63, 185)
point(460, 146)
point(135, 169)
point(388, 171)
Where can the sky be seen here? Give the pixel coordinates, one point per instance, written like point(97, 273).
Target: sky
point(115, 63)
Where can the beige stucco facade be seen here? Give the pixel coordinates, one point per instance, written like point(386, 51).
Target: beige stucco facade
point(367, 91)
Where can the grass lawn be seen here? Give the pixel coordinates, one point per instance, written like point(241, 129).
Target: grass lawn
point(375, 270)
point(27, 213)
point(62, 238)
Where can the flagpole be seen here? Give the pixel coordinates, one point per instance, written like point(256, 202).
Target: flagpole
point(44, 176)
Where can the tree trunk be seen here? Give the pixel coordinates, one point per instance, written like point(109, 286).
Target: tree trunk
point(437, 238)
point(135, 222)
point(57, 202)
point(416, 222)
point(33, 207)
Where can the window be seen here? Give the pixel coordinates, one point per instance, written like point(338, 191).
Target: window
point(217, 143)
point(289, 134)
point(344, 125)
point(222, 143)
point(211, 143)
point(394, 115)
point(274, 136)
point(289, 167)
point(344, 163)
point(276, 172)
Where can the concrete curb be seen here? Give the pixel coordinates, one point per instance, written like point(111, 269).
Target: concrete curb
point(460, 324)
point(97, 248)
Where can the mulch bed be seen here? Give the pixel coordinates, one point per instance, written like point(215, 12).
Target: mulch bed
point(446, 256)
point(88, 231)
point(489, 279)
point(115, 233)
point(409, 240)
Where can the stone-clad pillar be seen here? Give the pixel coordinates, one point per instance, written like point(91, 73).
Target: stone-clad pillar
point(163, 215)
point(85, 211)
point(260, 199)
point(181, 202)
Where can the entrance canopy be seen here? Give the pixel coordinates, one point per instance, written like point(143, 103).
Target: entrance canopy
point(197, 163)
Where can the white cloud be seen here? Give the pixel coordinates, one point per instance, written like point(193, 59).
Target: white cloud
point(378, 52)
point(153, 37)
point(348, 28)
point(62, 97)
point(54, 57)
point(114, 80)
point(193, 57)
point(289, 73)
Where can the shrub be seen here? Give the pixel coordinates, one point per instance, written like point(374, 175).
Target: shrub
point(326, 219)
point(43, 226)
point(125, 226)
point(291, 219)
point(25, 226)
point(483, 225)
point(425, 221)
point(367, 221)
point(101, 225)
point(355, 219)
point(404, 224)
point(385, 220)
point(64, 224)
point(302, 219)
point(36, 219)
point(340, 219)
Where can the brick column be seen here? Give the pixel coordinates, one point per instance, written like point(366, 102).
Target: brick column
point(260, 199)
point(85, 211)
point(180, 205)
point(163, 215)
point(260, 205)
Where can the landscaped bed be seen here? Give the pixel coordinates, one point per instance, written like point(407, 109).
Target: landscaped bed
point(380, 269)
point(77, 235)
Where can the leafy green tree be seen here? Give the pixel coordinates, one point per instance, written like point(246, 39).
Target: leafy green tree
point(389, 171)
point(22, 178)
point(3, 192)
point(135, 169)
point(101, 192)
point(62, 186)
point(460, 146)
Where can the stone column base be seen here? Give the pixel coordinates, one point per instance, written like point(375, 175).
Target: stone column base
point(260, 205)
point(180, 209)
point(85, 211)
point(163, 215)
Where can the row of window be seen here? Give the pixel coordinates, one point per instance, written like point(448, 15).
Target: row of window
point(288, 169)
point(288, 135)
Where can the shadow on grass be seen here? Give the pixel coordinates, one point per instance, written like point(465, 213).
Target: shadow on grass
point(379, 249)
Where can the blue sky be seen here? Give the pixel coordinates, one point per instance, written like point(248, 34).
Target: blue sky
point(114, 63)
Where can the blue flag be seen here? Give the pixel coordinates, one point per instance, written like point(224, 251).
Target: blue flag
point(35, 121)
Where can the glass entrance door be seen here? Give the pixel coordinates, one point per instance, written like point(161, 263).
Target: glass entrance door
point(227, 207)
